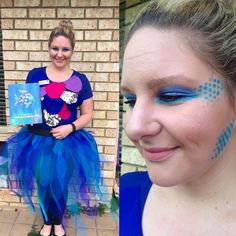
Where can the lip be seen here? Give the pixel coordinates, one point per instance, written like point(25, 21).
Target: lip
point(60, 61)
point(158, 154)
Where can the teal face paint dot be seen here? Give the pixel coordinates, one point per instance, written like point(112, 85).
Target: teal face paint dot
point(223, 140)
point(210, 91)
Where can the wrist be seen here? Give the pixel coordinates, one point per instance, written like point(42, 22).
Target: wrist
point(73, 127)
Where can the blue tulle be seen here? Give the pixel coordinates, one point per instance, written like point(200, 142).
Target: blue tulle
point(67, 168)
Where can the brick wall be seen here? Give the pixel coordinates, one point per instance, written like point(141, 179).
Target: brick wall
point(26, 25)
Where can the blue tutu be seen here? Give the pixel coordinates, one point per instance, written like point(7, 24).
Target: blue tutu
point(68, 168)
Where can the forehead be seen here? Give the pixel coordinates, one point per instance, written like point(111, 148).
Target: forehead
point(153, 53)
point(61, 40)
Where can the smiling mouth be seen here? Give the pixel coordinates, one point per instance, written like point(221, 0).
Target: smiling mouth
point(59, 60)
point(158, 154)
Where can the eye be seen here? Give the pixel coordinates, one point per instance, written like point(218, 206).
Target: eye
point(56, 49)
point(66, 49)
point(175, 95)
point(130, 100)
point(171, 97)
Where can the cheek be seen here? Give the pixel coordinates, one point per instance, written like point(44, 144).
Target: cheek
point(127, 122)
point(68, 56)
point(209, 130)
point(52, 54)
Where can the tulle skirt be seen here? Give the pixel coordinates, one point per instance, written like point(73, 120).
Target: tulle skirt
point(67, 168)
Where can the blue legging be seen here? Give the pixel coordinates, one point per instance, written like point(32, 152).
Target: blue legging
point(54, 213)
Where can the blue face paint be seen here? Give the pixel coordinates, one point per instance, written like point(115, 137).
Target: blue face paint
point(210, 90)
point(223, 140)
point(175, 94)
point(130, 99)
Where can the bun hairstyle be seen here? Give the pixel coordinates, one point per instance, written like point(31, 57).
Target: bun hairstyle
point(65, 28)
point(208, 26)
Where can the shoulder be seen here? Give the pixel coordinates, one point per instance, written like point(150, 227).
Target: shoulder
point(135, 184)
point(35, 74)
point(86, 90)
point(134, 188)
point(37, 70)
point(81, 76)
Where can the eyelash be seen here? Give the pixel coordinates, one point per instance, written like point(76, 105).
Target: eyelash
point(63, 49)
point(165, 98)
point(130, 102)
point(173, 97)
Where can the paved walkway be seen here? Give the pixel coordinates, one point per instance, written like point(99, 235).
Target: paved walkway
point(19, 222)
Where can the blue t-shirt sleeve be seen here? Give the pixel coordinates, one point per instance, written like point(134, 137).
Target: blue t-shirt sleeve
point(134, 188)
point(34, 75)
point(86, 91)
point(29, 77)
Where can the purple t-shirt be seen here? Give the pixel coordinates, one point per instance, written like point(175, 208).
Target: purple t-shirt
point(60, 100)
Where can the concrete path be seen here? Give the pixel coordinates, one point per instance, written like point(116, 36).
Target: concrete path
point(19, 221)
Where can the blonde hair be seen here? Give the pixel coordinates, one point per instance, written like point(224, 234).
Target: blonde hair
point(65, 28)
point(208, 25)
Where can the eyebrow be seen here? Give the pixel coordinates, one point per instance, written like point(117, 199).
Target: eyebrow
point(163, 81)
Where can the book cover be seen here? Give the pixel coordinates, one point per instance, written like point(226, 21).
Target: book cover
point(24, 104)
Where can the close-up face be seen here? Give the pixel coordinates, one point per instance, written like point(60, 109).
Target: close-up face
point(179, 114)
point(60, 51)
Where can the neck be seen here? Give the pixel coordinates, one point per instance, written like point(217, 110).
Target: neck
point(59, 69)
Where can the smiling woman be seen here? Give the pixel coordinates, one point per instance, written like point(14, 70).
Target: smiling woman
point(58, 157)
point(178, 78)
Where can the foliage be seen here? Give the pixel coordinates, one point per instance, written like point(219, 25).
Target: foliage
point(34, 231)
point(93, 211)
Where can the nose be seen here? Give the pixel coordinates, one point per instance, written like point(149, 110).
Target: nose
point(141, 121)
point(59, 53)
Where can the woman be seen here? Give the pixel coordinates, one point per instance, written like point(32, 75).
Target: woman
point(58, 155)
point(179, 77)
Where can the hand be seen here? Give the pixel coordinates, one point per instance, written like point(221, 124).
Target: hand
point(20, 126)
point(62, 131)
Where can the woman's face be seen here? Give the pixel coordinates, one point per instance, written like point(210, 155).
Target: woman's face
point(60, 52)
point(179, 115)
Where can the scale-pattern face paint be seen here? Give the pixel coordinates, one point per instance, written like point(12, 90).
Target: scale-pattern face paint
point(211, 90)
point(223, 140)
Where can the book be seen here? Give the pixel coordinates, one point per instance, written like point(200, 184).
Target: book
point(24, 104)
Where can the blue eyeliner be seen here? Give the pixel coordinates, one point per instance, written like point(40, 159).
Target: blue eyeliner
point(175, 94)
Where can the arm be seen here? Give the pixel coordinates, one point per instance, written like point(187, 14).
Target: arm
point(86, 113)
point(86, 110)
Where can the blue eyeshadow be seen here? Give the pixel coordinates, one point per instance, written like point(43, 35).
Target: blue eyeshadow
point(175, 94)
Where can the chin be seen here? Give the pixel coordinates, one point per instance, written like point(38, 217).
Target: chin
point(163, 179)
